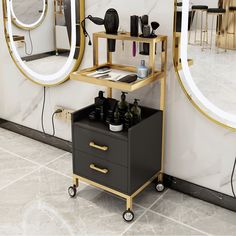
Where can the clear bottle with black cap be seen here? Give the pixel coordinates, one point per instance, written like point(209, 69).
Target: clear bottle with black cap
point(136, 111)
point(122, 106)
point(128, 119)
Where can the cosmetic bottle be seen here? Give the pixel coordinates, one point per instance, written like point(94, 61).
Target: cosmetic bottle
point(136, 111)
point(142, 70)
point(117, 117)
point(116, 126)
point(100, 100)
point(122, 106)
point(100, 103)
point(128, 121)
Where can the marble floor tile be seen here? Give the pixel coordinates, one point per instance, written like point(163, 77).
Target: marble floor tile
point(28, 148)
point(63, 165)
point(39, 205)
point(13, 168)
point(148, 196)
point(153, 224)
point(199, 214)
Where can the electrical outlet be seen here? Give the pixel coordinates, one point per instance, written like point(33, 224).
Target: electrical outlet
point(20, 44)
point(65, 115)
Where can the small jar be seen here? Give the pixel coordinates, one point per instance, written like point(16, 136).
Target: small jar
point(142, 70)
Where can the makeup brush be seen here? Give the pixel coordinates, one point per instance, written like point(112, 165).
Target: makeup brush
point(155, 25)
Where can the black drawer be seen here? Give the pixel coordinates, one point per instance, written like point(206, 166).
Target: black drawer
point(103, 146)
point(100, 171)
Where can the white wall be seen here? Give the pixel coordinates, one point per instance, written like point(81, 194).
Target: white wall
point(197, 150)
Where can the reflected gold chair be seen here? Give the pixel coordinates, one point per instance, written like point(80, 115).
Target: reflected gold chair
point(196, 11)
point(232, 11)
point(216, 13)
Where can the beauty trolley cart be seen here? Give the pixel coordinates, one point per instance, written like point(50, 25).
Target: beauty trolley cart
point(123, 163)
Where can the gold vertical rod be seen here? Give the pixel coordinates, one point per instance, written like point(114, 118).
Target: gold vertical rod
point(55, 24)
point(109, 61)
point(152, 47)
point(95, 50)
point(109, 92)
point(163, 103)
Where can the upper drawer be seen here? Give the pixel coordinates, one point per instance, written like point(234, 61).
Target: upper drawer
point(103, 146)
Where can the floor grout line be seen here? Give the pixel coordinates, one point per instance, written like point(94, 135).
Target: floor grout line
point(159, 198)
point(22, 177)
point(33, 162)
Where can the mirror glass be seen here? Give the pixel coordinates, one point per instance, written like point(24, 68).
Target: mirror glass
point(27, 12)
point(49, 53)
point(206, 35)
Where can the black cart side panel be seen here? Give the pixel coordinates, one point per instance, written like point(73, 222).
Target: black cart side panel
point(145, 151)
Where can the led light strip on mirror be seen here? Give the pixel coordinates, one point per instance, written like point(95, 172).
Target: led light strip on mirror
point(34, 25)
point(193, 93)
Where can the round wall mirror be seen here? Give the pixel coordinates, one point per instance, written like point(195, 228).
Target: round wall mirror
point(204, 56)
point(28, 14)
point(46, 54)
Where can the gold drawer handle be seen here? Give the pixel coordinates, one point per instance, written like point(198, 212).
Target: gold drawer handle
point(104, 171)
point(102, 148)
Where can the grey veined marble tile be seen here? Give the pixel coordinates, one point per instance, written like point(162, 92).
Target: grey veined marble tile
point(28, 148)
point(12, 168)
point(199, 214)
point(153, 224)
point(39, 205)
point(63, 165)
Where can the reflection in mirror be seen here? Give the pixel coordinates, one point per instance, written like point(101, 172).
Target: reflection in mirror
point(49, 53)
point(27, 12)
point(209, 76)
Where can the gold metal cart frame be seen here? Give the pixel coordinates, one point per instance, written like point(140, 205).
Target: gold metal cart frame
point(155, 75)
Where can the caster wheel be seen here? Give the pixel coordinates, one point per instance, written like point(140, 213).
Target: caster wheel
point(160, 187)
point(128, 216)
point(72, 191)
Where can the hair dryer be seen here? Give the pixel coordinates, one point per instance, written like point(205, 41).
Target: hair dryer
point(111, 23)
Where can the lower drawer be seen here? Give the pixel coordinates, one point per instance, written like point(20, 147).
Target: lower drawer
point(100, 171)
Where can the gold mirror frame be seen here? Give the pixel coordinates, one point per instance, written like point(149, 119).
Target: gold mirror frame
point(81, 50)
point(20, 26)
point(178, 67)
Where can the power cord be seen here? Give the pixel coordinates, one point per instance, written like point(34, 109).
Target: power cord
point(31, 44)
point(86, 34)
point(53, 124)
point(232, 178)
point(42, 113)
point(53, 115)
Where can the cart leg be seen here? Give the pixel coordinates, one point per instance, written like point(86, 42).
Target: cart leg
point(160, 177)
point(159, 185)
point(128, 215)
point(72, 190)
point(76, 182)
point(129, 203)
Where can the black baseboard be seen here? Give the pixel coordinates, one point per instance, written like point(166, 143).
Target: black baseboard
point(37, 135)
point(180, 185)
point(34, 57)
point(202, 193)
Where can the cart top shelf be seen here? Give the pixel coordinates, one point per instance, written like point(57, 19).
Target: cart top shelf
point(83, 76)
point(126, 36)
